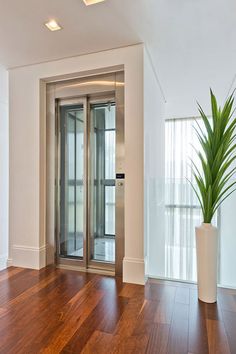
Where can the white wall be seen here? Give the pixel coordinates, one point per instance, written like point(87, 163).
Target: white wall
point(4, 167)
point(27, 154)
point(154, 170)
point(228, 243)
point(187, 105)
point(227, 274)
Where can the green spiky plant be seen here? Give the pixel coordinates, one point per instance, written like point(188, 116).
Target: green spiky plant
point(216, 158)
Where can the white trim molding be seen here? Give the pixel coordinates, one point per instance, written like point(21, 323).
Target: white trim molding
point(3, 261)
point(134, 271)
point(28, 257)
point(9, 262)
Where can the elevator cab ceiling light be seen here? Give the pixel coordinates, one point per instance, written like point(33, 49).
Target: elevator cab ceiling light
point(52, 25)
point(92, 2)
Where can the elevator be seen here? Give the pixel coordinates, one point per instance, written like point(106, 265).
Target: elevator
point(85, 169)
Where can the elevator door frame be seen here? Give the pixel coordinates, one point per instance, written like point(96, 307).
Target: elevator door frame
point(97, 89)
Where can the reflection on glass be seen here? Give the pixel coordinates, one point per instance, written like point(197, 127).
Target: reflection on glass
point(71, 189)
point(109, 210)
point(102, 188)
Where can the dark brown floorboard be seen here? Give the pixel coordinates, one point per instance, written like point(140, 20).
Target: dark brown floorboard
point(60, 311)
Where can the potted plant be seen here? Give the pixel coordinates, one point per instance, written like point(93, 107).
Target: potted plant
point(214, 184)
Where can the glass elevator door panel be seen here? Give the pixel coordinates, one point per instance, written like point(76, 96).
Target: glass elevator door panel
point(102, 181)
point(71, 182)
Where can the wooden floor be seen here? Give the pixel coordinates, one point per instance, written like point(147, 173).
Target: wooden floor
point(59, 311)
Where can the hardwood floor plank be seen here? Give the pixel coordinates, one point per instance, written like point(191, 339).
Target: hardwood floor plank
point(115, 308)
point(132, 290)
point(65, 322)
point(213, 311)
point(58, 311)
point(131, 345)
point(99, 343)
point(166, 306)
point(229, 318)
point(128, 320)
point(178, 337)
point(217, 339)
point(227, 301)
point(198, 340)
point(164, 313)
point(182, 295)
point(33, 290)
point(154, 292)
point(46, 307)
point(158, 339)
point(115, 304)
point(113, 285)
point(146, 318)
point(2, 312)
point(9, 273)
point(20, 282)
point(226, 291)
point(104, 317)
point(69, 323)
point(142, 327)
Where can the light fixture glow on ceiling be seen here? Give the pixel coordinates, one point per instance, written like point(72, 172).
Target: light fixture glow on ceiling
point(92, 2)
point(52, 25)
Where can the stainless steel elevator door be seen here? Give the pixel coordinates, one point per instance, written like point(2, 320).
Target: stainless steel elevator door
point(71, 181)
point(87, 181)
point(102, 171)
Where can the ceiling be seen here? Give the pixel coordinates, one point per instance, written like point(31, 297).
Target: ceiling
point(192, 43)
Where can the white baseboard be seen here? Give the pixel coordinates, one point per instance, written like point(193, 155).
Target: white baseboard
point(146, 267)
point(134, 271)
point(3, 261)
point(9, 262)
point(50, 254)
point(28, 257)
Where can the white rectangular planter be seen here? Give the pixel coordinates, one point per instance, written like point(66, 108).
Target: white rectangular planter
point(207, 254)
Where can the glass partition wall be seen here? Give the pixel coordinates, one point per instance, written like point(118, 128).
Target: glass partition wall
point(182, 209)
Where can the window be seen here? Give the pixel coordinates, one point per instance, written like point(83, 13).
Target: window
point(182, 209)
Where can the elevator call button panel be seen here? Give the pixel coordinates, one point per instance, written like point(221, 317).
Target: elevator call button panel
point(120, 176)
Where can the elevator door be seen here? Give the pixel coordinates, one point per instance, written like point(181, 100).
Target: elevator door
point(87, 188)
point(102, 148)
point(71, 181)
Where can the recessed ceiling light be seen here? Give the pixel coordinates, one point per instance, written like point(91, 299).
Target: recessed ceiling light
point(92, 2)
point(52, 25)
